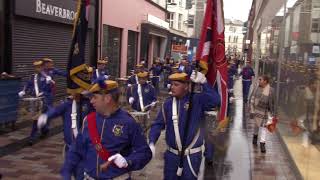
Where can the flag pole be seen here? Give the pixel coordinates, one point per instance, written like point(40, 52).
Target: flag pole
point(96, 33)
point(187, 126)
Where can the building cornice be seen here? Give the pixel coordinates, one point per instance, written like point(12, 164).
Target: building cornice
point(158, 6)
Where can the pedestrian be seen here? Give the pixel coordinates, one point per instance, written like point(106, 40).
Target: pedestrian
point(155, 72)
point(51, 70)
point(168, 71)
point(185, 67)
point(37, 87)
point(72, 110)
point(101, 71)
point(112, 143)
point(261, 109)
point(142, 97)
point(172, 117)
point(247, 77)
point(133, 79)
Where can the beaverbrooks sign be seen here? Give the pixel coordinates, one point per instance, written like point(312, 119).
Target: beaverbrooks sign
point(54, 10)
point(63, 11)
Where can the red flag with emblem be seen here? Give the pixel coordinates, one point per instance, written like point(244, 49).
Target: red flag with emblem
point(211, 52)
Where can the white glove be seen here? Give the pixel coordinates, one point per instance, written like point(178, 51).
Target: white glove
point(42, 120)
point(21, 93)
point(48, 79)
point(40, 94)
point(106, 76)
point(131, 99)
point(153, 104)
point(198, 77)
point(119, 160)
point(129, 85)
point(168, 86)
point(153, 149)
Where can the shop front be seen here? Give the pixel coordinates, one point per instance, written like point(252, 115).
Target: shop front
point(42, 28)
point(154, 41)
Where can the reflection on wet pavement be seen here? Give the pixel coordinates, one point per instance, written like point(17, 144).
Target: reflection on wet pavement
point(238, 159)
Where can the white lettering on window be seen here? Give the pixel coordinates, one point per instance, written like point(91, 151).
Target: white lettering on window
point(52, 10)
point(43, 5)
point(38, 4)
point(56, 11)
point(60, 12)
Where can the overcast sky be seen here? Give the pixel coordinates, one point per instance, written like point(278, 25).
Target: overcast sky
point(237, 9)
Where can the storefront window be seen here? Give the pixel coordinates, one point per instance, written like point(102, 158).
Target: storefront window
point(132, 50)
point(112, 48)
point(291, 41)
point(156, 47)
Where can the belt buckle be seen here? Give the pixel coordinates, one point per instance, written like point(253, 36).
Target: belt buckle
point(179, 153)
point(175, 117)
point(186, 152)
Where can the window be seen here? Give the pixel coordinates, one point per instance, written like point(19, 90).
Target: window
point(232, 29)
point(315, 25)
point(180, 22)
point(171, 1)
point(132, 50)
point(171, 19)
point(112, 48)
point(180, 3)
point(191, 21)
point(236, 40)
point(229, 39)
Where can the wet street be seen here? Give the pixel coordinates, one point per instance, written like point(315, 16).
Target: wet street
point(235, 157)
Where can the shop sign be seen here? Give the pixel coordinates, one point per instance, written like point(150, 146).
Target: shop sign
point(63, 11)
point(157, 21)
point(179, 49)
point(315, 50)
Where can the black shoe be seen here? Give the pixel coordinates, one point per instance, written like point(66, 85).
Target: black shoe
point(210, 163)
point(255, 140)
point(44, 134)
point(263, 147)
point(30, 143)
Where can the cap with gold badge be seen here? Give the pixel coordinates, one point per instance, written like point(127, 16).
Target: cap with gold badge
point(47, 60)
point(105, 87)
point(143, 74)
point(37, 63)
point(102, 61)
point(182, 77)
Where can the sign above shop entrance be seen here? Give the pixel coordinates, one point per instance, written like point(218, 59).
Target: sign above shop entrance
point(180, 49)
point(157, 21)
point(63, 11)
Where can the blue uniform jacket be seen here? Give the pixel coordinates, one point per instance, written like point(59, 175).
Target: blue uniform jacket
point(43, 86)
point(148, 95)
point(132, 79)
point(201, 102)
point(168, 68)
point(102, 74)
point(185, 69)
point(121, 134)
point(64, 110)
point(156, 71)
point(56, 72)
point(247, 73)
point(232, 71)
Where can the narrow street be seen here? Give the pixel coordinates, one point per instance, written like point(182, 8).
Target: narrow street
point(235, 157)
